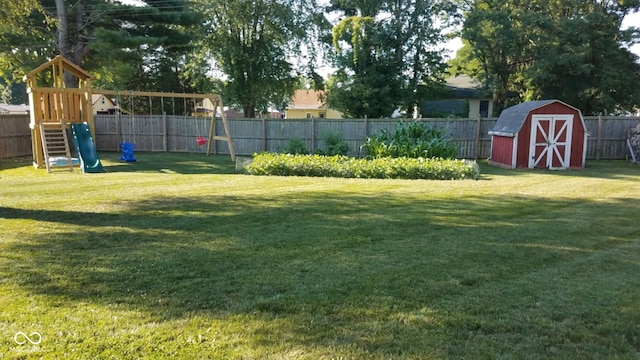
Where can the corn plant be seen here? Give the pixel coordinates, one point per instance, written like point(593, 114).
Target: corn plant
point(295, 146)
point(334, 145)
point(410, 139)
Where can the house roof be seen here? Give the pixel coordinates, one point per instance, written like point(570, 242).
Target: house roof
point(13, 109)
point(464, 87)
point(234, 113)
point(96, 97)
point(511, 119)
point(462, 82)
point(306, 99)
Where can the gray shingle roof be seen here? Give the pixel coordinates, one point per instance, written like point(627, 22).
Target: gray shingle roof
point(511, 119)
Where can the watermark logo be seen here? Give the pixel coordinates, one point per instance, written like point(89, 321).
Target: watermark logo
point(21, 338)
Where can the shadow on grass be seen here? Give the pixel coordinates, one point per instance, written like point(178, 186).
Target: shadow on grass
point(17, 162)
point(169, 163)
point(376, 273)
point(222, 164)
point(602, 169)
point(179, 163)
point(182, 163)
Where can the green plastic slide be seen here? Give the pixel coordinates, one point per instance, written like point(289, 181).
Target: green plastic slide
point(89, 161)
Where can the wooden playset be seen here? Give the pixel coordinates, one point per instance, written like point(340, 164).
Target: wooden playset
point(60, 93)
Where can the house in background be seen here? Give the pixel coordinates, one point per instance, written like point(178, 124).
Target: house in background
point(464, 99)
point(103, 104)
point(233, 112)
point(306, 104)
point(237, 113)
point(206, 108)
point(8, 109)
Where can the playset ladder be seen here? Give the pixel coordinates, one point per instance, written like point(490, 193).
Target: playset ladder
point(55, 146)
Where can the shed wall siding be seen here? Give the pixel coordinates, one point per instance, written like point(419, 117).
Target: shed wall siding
point(523, 144)
point(502, 150)
point(577, 143)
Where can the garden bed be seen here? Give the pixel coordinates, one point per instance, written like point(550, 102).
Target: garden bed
point(347, 167)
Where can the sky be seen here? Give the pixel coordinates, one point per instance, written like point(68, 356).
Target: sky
point(633, 20)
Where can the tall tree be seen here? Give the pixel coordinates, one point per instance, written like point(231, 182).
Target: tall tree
point(14, 93)
point(585, 63)
point(24, 32)
point(570, 50)
point(385, 49)
point(253, 43)
point(499, 38)
point(120, 44)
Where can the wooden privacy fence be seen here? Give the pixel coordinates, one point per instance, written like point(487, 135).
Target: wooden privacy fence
point(15, 136)
point(607, 135)
point(273, 135)
point(169, 133)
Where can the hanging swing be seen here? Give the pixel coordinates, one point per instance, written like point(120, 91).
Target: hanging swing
point(201, 140)
point(127, 147)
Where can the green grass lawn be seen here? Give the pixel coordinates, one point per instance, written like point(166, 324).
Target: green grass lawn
point(177, 256)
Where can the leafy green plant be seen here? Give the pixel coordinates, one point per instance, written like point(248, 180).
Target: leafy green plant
point(334, 145)
point(295, 146)
point(410, 139)
point(346, 167)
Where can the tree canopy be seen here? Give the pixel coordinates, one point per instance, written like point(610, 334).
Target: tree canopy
point(254, 44)
point(383, 51)
point(123, 46)
point(24, 28)
point(570, 50)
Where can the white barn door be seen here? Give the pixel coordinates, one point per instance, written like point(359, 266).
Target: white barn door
point(550, 145)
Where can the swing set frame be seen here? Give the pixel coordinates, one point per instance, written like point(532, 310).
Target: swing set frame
point(215, 99)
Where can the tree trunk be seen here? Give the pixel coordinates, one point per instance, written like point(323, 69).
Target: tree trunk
point(81, 48)
point(63, 29)
point(249, 111)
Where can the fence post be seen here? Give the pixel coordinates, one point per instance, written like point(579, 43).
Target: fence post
point(264, 134)
point(366, 127)
point(366, 133)
point(213, 126)
point(118, 129)
point(164, 131)
point(599, 138)
point(313, 135)
point(478, 149)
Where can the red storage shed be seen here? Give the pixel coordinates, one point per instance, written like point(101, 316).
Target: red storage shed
point(539, 134)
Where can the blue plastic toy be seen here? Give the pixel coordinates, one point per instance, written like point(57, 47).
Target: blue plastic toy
point(127, 152)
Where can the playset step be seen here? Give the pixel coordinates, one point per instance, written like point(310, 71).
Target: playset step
point(55, 146)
